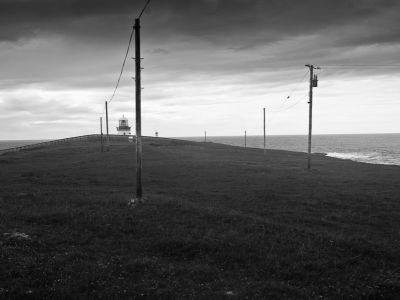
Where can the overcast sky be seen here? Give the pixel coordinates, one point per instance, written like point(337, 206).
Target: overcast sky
point(208, 65)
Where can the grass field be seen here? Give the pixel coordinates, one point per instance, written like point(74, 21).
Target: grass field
point(219, 222)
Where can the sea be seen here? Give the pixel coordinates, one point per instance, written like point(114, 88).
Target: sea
point(368, 148)
point(6, 144)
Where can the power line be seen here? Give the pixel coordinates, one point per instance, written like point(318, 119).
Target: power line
point(144, 8)
point(123, 66)
point(285, 101)
point(126, 54)
point(362, 66)
point(290, 106)
point(296, 87)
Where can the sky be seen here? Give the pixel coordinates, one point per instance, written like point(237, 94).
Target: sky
point(208, 65)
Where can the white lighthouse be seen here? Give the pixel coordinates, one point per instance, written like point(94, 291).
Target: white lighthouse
point(123, 128)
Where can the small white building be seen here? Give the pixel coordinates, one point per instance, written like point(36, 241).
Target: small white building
point(123, 128)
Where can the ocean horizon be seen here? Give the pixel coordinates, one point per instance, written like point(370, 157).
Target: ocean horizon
point(7, 144)
point(382, 148)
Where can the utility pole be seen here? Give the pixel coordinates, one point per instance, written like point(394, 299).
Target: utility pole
point(139, 189)
point(101, 133)
point(108, 138)
point(313, 83)
point(138, 113)
point(205, 136)
point(264, 130)
point(245, 139)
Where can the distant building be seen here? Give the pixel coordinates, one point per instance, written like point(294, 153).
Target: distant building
point(124, 128)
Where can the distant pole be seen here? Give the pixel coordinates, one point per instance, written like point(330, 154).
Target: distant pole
point(313, 83)
point(264, 130)
point(108, 138)
point(311, 67)
point(245, 139)
point(205, 136)
point(101, 133)
point(139, 189)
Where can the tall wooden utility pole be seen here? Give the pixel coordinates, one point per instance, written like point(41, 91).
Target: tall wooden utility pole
point(264, 130)
point(205, 136)
point(101, 133)
point(138, 70)
point(245, 139)
point(108, 138)
point(139, 189)
point(313, 83)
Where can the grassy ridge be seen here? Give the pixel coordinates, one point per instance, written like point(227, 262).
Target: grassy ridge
point(219, 222)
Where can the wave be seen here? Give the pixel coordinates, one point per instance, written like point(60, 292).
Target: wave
point(366, 157)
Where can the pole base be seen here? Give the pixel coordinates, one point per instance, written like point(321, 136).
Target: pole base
point(133, 202)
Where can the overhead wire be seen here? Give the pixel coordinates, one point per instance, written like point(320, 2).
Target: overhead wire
point(281, 108)
point(296, 87)
point(125, 58)
point(123, 66)
point(365, 66)
point(322, 69)
point(290, 106)
point(144, 8)
point(127, 52)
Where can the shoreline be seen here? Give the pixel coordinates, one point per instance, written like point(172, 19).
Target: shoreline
point(349, 156)
point(366, 153)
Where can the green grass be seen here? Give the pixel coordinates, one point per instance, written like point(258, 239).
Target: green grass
point(218, 222)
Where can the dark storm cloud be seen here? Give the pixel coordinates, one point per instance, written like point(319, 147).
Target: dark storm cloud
point(22, 18)
point(260, 20)
point(242, 22)
point(86, 39)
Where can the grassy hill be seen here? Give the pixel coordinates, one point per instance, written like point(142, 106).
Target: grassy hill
point(218, 222)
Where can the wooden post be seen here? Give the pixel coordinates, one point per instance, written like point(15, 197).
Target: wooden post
point(245, 139)
point(108, 138)
point(264, 130)
point(139, 189)
point(101, 133)
point(205, 136)
point(311, 67)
